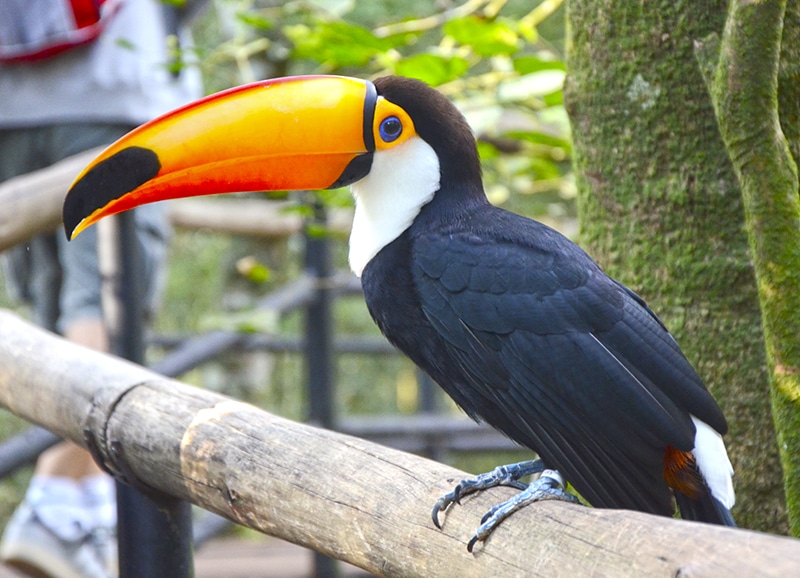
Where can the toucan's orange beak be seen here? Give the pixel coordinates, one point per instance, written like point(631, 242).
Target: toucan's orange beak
point(312, 132)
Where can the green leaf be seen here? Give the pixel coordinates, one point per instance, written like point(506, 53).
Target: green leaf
point(316, 230)
point(432, 68)
point(339, 197)
point(255, 20)
point(254, 321)
point(336, 43)
point(486, 37)
point(554, 98)
point(540, 138)
point(302, 209)
point(529, 64)
point(253, 270)
point(487, 151)
point(126, 44)
point(542, 169)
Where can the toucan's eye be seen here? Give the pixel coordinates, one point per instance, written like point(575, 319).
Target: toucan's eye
point(391, 128)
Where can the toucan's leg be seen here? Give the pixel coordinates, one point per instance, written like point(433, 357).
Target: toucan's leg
point(549, 486)
point(501, 476)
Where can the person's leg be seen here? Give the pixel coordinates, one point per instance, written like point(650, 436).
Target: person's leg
point(67, 482)
point(62, 529)
point(80, 316)
point(67, 459)
point(78, 302)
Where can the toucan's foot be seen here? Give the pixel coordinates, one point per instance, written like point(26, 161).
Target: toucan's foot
point(549, 486)
point(501, 476)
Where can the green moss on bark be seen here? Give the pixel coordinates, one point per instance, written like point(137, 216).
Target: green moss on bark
point(744, 89)
point(789, 79)
point(661, 210)
point(788, 398)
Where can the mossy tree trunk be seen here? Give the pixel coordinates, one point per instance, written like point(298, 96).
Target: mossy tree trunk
point(661, 209)
point(743, 72)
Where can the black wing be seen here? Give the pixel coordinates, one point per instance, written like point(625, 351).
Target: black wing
point(545, 347)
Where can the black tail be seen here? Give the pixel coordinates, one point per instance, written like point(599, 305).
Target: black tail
point(704, 509)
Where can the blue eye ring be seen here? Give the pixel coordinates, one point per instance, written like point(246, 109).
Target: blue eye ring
point(390, 129)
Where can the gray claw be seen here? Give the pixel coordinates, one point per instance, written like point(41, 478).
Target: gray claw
point(501, 476)
point(548, 487)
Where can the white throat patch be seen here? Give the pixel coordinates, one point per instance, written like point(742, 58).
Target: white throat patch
point(401, 181)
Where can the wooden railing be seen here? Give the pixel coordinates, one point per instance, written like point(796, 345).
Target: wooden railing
point(351, 499)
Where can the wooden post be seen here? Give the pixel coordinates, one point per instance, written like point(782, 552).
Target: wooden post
point(339, 495)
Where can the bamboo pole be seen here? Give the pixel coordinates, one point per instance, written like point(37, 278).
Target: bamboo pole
point(342, 496)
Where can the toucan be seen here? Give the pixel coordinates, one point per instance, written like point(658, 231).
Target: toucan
point(513, 320)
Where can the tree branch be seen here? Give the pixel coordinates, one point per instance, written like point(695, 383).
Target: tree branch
point(343, 496)
point(789, 78)
point(744, 90)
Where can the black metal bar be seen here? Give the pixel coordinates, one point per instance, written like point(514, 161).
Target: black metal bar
point(294, 295)
point(127, 331)
point(429, 397)
point(319, 347)
point(155, 535)
point(154, 531)
point(300, 292)
point(192, 351)
point(318, 328)
point(342, 345)
point(195, 351)
point(24, 448)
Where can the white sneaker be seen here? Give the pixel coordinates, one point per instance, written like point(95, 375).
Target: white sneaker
point(31, 547)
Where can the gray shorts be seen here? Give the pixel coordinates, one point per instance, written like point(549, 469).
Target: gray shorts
point(61, 279)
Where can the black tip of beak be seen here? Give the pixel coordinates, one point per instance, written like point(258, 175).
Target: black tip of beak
point(356, 170)
point(107, 181)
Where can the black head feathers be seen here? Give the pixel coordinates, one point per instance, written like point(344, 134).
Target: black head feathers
point(439, 123)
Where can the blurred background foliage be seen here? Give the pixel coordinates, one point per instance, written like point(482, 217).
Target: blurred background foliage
point(500, 61)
